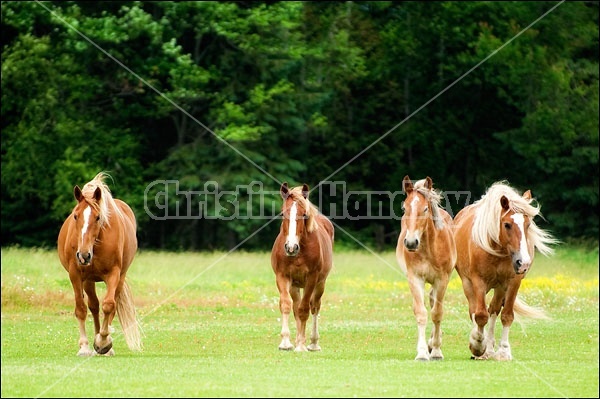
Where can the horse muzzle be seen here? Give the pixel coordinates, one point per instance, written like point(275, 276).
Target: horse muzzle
point(291, 251)
point(520, 266)
point(84, 258)
point(411, 245)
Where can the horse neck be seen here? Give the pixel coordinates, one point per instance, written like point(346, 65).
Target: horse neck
point(115, 216)
point(430, 233)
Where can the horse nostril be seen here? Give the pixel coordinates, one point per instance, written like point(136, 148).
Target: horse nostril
point(519, 262)
point(296, 248)
point(411, 245)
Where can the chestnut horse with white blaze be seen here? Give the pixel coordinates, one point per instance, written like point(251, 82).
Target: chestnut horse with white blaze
point(496, 238)
point(426, 254)
point(302, 257)
point(97, 242)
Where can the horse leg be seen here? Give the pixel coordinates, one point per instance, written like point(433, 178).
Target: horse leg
point(296, 299)
point(89, 287)
point(479, 315)
point(494, 311)
point(301, 312)
point(81, 315)
point(94, 306)
point(417, 288)
point(285, 307)
point(507, 316)
point(436, 298)
point(315, 308)
point(103, 341)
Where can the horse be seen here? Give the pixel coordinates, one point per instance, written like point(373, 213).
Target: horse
point(97, 242)
point(496, 237)
point(426, 253)
point(301, 258)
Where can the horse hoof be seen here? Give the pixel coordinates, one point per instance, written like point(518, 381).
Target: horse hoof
point(85, 353)
point(436, 354)
point(111, 352)
point(485, 356)
point(102, 351)
point(502, 356)
point(314, 348)
point(286, 348)
point(476, 350)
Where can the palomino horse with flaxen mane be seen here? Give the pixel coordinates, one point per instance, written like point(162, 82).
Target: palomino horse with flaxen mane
point(496, 238)
point(302, 257)
point(98, 242)
point(427, 254)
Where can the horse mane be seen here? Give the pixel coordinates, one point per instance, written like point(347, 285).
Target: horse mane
point(488, 211)
point(107, 204)
point(311, 210)
point(434, 197)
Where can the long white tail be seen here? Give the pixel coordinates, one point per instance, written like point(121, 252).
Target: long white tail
point(127, 318)
point(523, 309)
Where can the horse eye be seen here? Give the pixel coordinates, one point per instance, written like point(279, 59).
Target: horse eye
point(75, 217)
point(97, 218)
point(507, 226)
point(426, 209)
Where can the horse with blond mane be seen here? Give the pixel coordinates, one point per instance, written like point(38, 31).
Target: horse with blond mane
point(496, 238)
point(302, 257)
point(97, 242)
point(426, 254)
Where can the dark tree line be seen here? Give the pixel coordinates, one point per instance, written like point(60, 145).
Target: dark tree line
point(229, 99)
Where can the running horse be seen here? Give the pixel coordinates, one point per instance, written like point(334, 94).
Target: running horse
point(97, 242)
point(426, 254)
point(496, 238)
point(302, 257)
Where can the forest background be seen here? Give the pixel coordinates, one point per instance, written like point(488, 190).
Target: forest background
point(229, 99)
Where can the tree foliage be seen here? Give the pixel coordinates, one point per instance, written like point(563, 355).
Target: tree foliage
point(237, 97)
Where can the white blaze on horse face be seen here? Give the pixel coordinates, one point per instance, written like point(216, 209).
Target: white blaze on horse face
point(413, 234)
point(519, 220)
point(292, 238)
point(86, 221)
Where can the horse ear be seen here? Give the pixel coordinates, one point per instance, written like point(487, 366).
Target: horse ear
point(77, 193)
point(504, 203)
point(428, 183)
point(527, 195)
point(407, 185)
point(284, 190)
point(305, 190)
point(97, 194)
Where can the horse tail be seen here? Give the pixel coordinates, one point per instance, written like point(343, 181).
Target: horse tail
point(523, 309)
point(128, 319)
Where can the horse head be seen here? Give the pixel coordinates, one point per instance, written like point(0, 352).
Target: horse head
point(295, 214)
point(513, 234)
point(86, 215)
point(417, 211)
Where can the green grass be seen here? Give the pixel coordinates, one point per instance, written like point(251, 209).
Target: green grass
point(211, 329)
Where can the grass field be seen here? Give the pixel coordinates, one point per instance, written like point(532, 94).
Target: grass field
point(211, 329)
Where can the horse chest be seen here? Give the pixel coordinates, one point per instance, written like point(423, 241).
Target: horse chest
point(91, 273)
point(498, 277)
point(298, 273)
point(426, 270)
